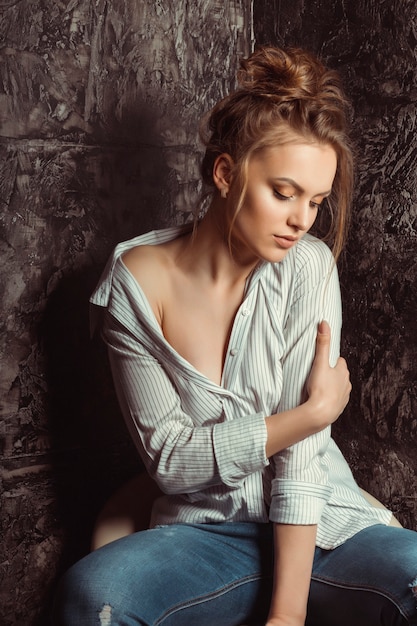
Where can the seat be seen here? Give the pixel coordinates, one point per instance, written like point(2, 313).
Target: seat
point(128, 510)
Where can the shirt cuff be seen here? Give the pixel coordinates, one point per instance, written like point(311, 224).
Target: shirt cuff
point(294, 502)
point(239, 447)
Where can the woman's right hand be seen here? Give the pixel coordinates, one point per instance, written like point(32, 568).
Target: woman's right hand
point(328, 390)
point(328, 387)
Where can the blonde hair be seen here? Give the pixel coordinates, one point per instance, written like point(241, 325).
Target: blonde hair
point(282, 95)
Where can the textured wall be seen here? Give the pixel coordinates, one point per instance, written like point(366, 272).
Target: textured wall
point(374, 44)
point(99, 106)
point(99, 103)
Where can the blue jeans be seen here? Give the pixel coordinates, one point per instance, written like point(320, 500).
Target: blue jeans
point(221, 575)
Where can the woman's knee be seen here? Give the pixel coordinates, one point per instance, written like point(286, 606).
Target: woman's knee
point(123, 577)
point(97, 589)
point(78, 596)
point(378, 568)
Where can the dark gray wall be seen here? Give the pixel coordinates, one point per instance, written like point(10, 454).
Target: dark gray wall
point(99, 105)
point(374, 45)
point(99, 108)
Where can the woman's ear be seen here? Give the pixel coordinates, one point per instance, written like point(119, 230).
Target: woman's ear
point(222, 173)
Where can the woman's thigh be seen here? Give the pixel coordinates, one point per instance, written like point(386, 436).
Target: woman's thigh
point(173, 575)
point(367, 581)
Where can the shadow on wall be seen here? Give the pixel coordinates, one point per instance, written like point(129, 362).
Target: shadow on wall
point(118, 189)
point(97, 145)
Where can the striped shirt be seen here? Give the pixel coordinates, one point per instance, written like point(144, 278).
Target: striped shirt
point(204, 443)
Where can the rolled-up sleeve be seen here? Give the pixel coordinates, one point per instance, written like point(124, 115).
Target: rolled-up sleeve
point(300, 488)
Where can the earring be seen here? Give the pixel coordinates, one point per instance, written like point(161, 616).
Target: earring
point(223, 193)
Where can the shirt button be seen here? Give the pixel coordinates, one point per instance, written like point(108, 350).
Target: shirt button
point(234, 351)
point(245, 312)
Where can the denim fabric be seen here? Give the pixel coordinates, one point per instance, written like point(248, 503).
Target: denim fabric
point(220, 575)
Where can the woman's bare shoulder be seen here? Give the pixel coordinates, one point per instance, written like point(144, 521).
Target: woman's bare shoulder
point(149, 266)
point(141, 260)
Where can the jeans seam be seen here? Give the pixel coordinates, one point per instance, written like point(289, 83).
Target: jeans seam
point(209, 596)
point(370, 589)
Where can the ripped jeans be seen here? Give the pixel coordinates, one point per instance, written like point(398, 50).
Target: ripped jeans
point(220, 575)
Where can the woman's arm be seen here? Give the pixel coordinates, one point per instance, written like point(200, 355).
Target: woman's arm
point(182, 456)
point(300, 489)
point(294, 552)
point(294, 545)
point(328, 389)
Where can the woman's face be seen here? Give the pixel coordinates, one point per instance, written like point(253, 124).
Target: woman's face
point(286, 185)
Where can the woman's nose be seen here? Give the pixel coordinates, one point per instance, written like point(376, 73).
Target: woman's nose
point(301, 215)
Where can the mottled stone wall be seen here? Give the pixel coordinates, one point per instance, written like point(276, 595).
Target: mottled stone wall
point(374, 45)
point(99, 108)
point(99, 104)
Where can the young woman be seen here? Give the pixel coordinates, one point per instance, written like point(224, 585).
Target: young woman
point(224, 345)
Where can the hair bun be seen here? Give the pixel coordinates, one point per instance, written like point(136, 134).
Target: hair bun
point(285, 74)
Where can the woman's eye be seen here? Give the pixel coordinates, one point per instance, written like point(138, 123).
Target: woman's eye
point(315, 205)
point(281, 196)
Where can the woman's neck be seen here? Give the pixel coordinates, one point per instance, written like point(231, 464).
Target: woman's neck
point(207, 252)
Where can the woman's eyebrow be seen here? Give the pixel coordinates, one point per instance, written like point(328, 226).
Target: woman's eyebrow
point(290, 181)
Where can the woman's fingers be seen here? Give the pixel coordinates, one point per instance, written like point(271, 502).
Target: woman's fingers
point(323, 343)
point(329, 387)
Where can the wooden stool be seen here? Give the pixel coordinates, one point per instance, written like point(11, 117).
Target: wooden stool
point(127, 511)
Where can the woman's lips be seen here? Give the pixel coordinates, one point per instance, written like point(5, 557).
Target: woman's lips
point(285, 242)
